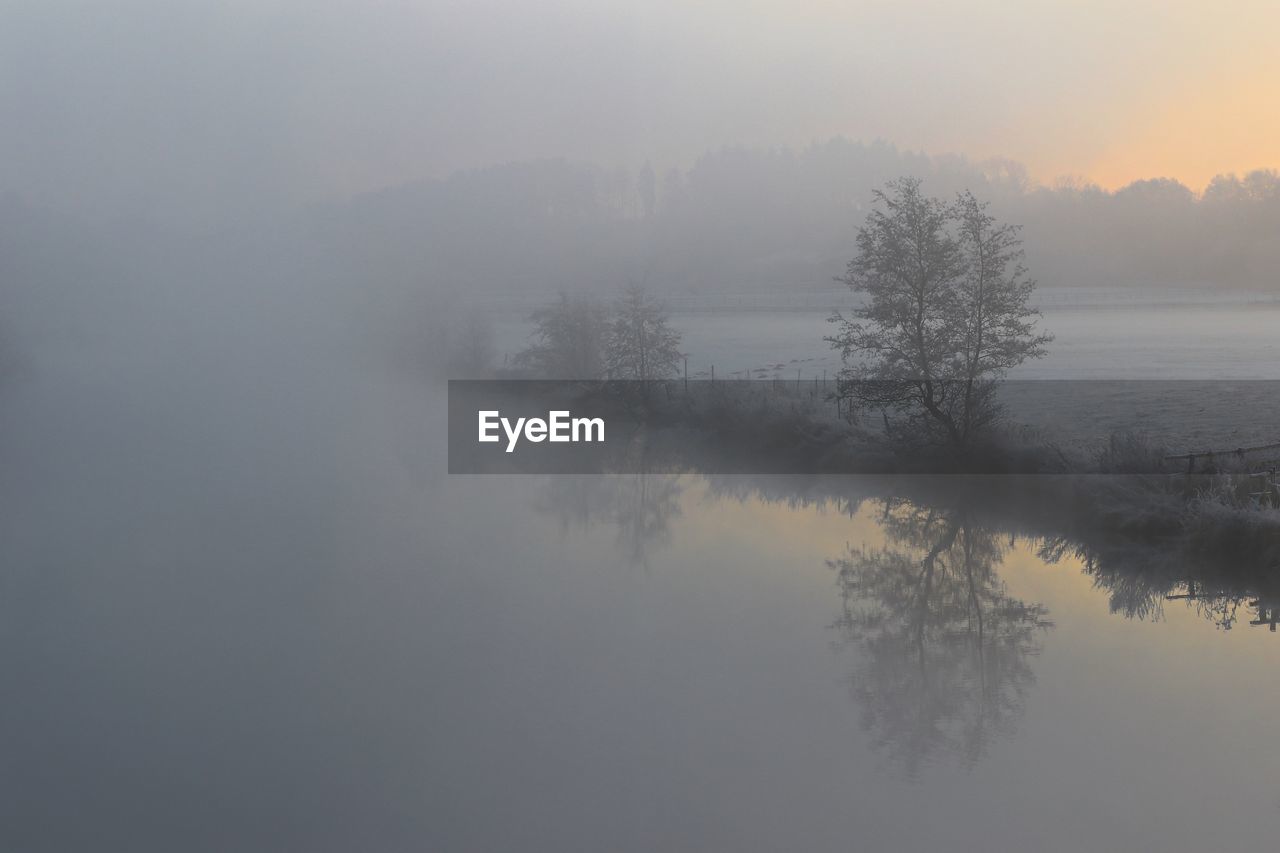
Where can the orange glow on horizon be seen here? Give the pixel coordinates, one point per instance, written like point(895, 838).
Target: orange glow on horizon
point(1227, 124)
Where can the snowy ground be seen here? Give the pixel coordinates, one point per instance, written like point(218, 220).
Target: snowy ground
point(1137, 335)
point(1102, 335)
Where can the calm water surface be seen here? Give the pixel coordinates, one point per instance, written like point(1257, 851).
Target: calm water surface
point(246, 609)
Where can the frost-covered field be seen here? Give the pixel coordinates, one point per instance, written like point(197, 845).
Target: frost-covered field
point(1182, 416)
point(1100, 334)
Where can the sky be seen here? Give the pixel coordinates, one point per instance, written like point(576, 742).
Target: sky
point(144, 107)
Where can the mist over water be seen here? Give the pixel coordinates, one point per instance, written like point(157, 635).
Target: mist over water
point(647, 645)
point(243, 605)
point(243, 600)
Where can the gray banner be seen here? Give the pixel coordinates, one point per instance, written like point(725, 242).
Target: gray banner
point(807, 426)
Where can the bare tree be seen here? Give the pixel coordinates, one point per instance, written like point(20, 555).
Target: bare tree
point(945, 315)
point(998, 328)
point(568, 340)
point(641, 343)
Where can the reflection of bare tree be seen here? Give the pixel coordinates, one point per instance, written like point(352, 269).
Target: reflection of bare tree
point(1221, 607)
point(944, 650)
point(1140, 579)
point(639, 506)
point(1225, 566)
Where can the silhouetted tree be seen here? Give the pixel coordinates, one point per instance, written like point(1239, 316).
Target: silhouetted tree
point(568, 340)
point(997, 327)
point(642, 345)
point(945, 315)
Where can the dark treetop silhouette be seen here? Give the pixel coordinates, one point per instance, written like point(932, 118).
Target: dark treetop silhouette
point(946, 314)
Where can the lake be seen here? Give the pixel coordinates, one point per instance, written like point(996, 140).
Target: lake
point(243, 607)
point(677, 664)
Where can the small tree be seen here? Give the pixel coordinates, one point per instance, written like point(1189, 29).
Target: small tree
point(568, 340)
point(641, 343)
point(945, 316)
point(998, 327)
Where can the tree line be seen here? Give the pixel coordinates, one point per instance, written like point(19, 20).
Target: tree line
point(579, 337)
point(743, 219)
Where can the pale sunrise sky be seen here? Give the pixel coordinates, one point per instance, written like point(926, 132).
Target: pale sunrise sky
point(143, 103)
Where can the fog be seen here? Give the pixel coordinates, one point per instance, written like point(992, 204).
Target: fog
point(375, 152)
point(198, 112)
point(243, 605)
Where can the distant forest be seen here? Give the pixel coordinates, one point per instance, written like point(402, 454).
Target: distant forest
point(743, 220)
point(738, 221)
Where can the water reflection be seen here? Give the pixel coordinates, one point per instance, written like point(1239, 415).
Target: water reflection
point(941, 653)
point(943, 665)
point(1228, 572)
point(1223, 589)
point(640, 507)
